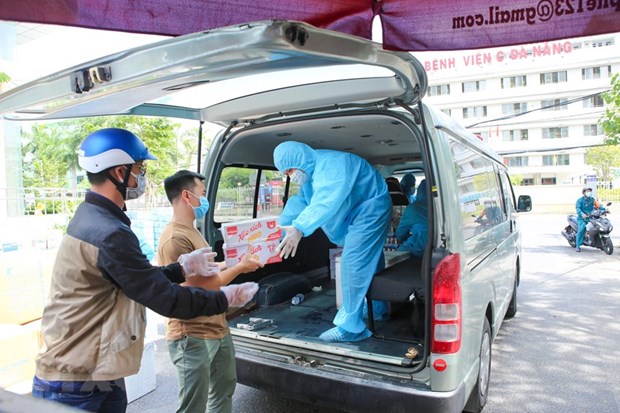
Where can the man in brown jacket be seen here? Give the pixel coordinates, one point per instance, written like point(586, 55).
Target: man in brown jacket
point(94, 322)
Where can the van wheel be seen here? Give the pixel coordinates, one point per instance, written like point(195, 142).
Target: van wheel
point(478, 396)
point(512, 307)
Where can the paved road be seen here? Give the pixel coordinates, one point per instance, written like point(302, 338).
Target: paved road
point(559, 354)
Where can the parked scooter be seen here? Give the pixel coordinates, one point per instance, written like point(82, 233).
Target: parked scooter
point(597, 231)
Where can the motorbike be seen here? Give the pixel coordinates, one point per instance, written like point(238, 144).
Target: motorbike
point(597, 231)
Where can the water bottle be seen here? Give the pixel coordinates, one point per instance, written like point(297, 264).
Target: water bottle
point(297, 299)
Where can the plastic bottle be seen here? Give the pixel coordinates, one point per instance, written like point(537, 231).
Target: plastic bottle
point(297, 299)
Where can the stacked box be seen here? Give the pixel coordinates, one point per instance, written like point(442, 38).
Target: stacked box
point(259, 237)
point(19, 347)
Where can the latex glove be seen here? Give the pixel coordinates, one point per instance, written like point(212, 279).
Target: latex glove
point(249, 264)
point(198, 263)
point(239, 295)
point(288, 246)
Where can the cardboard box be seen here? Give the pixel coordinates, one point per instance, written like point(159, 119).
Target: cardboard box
point(19, 346)
point(25, 277)
point(263, 251)
point(144, 381)
point(251, 231)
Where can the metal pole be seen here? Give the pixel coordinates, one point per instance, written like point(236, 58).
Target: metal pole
point(199, 146)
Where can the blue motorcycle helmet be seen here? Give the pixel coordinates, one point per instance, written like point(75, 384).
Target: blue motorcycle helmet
point(106, 148)
point(110, 147)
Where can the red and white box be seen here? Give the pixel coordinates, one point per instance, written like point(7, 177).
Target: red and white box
point(251, 231)
point(263, 251)
point(258, 237)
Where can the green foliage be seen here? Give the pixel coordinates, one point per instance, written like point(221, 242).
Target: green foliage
point(234, 177)
point(4, 77)
point(603, 159)
point(608, 194)
point(610, 121)
point(50, 150)
point(516, 180)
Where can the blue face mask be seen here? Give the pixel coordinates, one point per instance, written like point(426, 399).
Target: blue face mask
point(201, 211)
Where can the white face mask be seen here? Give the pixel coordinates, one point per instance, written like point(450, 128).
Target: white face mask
point(138, 191)
point(299, 177)
point(589, 194)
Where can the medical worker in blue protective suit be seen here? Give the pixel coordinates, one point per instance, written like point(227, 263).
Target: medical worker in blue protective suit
point(348, 199)
point(412, 231)
point(407, 183)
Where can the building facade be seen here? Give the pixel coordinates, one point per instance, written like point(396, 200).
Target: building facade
point(537, 105)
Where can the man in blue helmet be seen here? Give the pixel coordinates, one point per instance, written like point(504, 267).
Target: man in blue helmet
point(348, 199)
point(94, 322)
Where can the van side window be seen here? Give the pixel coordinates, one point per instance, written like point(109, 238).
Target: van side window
point(246, 193)
point(509, 198)
point(479, 191)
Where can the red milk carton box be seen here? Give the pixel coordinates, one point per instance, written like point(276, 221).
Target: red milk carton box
point(251, 231)
point(263, 251)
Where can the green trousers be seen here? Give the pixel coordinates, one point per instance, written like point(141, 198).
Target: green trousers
point(206, 373)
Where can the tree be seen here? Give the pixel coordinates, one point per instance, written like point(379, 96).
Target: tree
point(50, 150)
point(610, 121)
point(4, 77)
point(603, 159)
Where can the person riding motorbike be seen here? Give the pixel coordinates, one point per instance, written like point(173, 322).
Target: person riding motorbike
point(584, 206)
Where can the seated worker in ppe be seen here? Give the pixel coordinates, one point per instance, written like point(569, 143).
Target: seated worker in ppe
point(412, 231)
point(348, 199)
point(407, 183)
point(584, 206)
point(491, 214)
point(200, 348)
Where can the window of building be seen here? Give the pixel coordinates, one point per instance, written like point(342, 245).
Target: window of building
point(554, 104)
point(595, 72)
point(592, 130)
point(518, 161)
point(554, 160)
point(439, 90)
point(527, 181)
point(514, 81)
point(474, 86)
point(553, 77)
point(483, 135)
point(447, 111)
point(548, 181)
point(514, 108)
point(594, 102)
point(514, 135)
point(474, 112)
point(555, 133)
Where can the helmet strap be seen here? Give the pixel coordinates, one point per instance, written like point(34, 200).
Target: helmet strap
point(121, 186)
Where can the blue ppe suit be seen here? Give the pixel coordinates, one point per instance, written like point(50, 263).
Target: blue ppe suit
point(412, 230)
point(348, 199)
point(407, 183)
point(584, 205)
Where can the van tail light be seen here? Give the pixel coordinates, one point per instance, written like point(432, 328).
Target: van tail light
point(447, 315)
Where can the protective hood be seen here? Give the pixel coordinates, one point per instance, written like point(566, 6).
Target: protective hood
point(298, 155)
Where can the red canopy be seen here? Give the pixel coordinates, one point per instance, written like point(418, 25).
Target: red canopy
point(407, 24)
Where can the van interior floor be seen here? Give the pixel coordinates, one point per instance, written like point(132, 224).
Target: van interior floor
point(306, 321)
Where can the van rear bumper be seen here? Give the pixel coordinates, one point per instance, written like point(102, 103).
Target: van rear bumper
point(355, 392)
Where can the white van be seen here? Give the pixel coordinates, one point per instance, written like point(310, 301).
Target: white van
point(271, 81)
